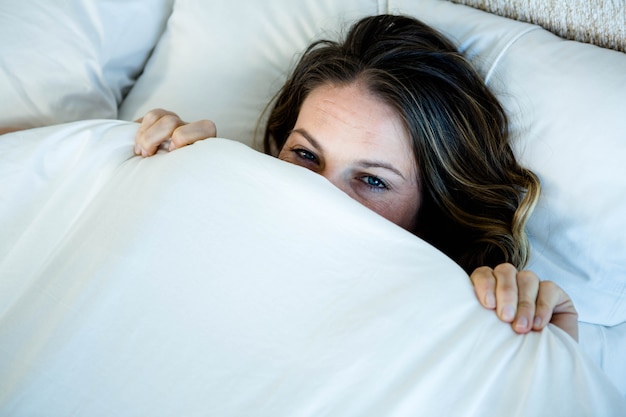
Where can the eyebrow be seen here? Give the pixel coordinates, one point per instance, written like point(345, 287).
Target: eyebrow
point(308, 137)
point(364, 163)
point(380, 164)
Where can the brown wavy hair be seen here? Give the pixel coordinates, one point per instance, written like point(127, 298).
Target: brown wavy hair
point(476, 198)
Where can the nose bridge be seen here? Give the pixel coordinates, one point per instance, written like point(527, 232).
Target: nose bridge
point(338, 178)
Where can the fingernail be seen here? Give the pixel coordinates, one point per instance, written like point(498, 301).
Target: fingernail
point(537, 322)
point(508, 313)
point(522, 323)
point(144, 153)
point(490, 301)
point(137, 149)
point(171, 147)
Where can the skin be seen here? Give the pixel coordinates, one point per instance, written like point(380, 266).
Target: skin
point(357, 142)
point(359, 145)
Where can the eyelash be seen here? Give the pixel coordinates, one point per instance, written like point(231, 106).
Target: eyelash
point(309, 157)
point(382, 185)
point(305, 155)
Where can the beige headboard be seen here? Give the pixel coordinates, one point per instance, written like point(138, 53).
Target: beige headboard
point(600, 22)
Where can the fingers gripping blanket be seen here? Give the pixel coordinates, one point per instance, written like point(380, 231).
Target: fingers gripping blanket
point(216, 280)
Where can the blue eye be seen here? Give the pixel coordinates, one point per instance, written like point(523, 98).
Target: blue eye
point(306, 155)
point(374, 182)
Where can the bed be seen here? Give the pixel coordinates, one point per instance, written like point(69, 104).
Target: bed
point(216, 280)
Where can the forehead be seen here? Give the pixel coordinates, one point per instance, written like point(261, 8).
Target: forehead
point(350, 118)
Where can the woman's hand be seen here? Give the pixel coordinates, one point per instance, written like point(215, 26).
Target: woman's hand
point(519, 298)
point(158, 126)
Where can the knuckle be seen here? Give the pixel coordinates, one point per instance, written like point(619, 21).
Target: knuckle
point(505, 268)
point(482, 270)
point(549, 289)
point(507, 284)
point(153, 115)
point(158, 111)
point(549, 285)
point(483, 276)
point(170, 120)
point(208, 126)
point(528, 279)
point(179, 137)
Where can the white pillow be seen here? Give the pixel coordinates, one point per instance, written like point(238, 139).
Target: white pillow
point(567, 101)
point(67, 60)
point(225, 60)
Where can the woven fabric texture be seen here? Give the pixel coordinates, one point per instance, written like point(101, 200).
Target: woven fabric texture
point(599, 22)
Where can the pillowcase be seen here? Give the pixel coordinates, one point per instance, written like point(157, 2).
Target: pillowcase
point(567, 107)
point(224, 61)
point(566, 102)
point(68, 60)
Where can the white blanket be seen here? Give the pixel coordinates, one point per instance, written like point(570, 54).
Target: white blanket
point(219, 281)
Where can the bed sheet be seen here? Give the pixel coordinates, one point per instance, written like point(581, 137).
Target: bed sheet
point(565, 101)
point(216, 280)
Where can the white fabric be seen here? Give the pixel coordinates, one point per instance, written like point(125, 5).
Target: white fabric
point(74, 59)
point(576, 143)
point(226, 60)
point(605, 345)
point(566, 100)
point(567, 103)
point(66, 60)
point(216, 280)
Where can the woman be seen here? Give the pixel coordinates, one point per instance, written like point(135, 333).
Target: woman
point(398, 119)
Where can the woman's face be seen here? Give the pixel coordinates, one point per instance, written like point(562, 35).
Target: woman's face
point(360, 145)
